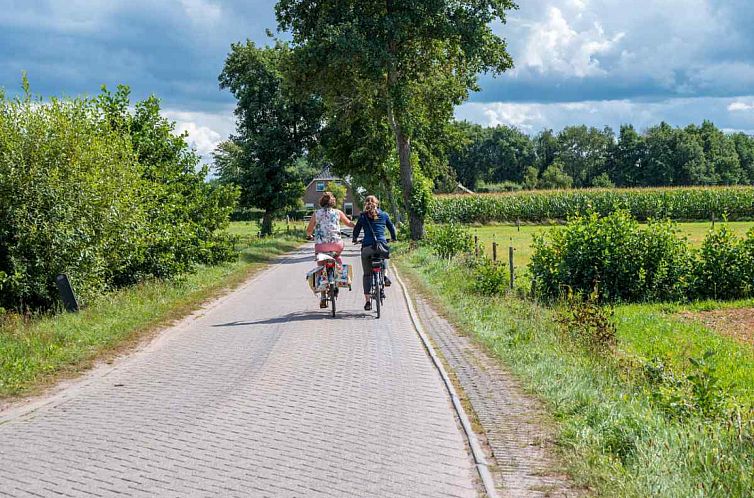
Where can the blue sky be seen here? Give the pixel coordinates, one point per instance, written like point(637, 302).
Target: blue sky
point(599, 62)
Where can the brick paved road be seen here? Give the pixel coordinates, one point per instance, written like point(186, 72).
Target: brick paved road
point(263, 395)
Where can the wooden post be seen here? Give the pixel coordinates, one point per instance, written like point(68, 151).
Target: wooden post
point(494, 251)
point(510, 263)
point(713, 221)
point(476, 244)
point(518, 224)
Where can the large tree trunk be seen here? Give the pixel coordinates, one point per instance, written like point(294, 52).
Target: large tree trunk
point(403, 146)
point(266, 229)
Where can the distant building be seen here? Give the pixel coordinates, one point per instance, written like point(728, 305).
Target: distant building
point(318, 186)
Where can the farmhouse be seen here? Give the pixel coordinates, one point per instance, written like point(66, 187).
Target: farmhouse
point(318, 185)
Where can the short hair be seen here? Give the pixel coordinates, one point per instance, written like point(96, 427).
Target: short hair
point(327, 200)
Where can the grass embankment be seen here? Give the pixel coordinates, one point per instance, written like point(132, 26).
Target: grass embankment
point(617, 428)
point(37, 351)
point(521, 239)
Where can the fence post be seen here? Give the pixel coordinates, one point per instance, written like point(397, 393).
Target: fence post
point(518, 224)
point(510, 263)
point(494, 250)
point(713, 221)
point(476, 244)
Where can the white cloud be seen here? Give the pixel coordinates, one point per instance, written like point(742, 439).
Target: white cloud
point(553, 45)
point(740, 106)
point(205, 130)
point(202, 11)
point(533, 117)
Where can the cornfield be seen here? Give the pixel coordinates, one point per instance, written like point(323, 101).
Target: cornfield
point(681, 204)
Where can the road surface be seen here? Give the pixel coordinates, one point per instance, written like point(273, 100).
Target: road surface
point(261, 395)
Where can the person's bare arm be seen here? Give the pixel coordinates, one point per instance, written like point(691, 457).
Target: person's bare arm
point(344, 219)
point(310, 228)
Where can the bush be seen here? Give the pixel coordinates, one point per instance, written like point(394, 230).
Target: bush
point(489, 278)
point(725, 266)
point(614, 257)
point(447, 241)
point(107, 195)
point(644, 204)
point(587, 324)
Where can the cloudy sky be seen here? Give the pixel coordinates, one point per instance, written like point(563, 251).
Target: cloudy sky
point(599, 62)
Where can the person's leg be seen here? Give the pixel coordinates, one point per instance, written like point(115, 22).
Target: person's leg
point(388, 282)
point(366, 264)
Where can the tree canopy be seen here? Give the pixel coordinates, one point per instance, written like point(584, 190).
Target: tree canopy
point(402, 65)
point(503, 158)
point(274, 128)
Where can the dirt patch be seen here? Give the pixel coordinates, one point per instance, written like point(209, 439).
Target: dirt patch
point(735, 323)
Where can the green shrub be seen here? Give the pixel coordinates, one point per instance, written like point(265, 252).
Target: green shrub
point(447, 241)
point(104, 194)
point(588, 324)
point(489, 278)
point(725, 266)
point(690, 203)
point(614, 257)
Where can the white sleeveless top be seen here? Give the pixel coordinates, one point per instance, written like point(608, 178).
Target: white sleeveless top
point(327, 229)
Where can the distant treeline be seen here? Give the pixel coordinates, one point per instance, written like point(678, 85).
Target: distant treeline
point(504, 158)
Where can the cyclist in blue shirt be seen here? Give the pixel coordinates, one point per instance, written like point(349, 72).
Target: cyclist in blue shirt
point(374, 222)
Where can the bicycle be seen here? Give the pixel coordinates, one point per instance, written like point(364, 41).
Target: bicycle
point(331, 284)
point(377, 294)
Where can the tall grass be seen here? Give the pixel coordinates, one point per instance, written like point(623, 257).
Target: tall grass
point(615, 435)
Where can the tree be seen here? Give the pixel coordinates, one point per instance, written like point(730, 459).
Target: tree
point(583, 152)
point(275, 128)
point(744, 145)
point(554, 177)
point(627, 158)
point(531, 178)
point(508, 152)
point(465, 157)
point(413, 60)
point(339, 191)
point(723, 164)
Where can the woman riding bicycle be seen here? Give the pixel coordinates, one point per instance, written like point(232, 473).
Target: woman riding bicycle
point(325, 228)
point(374, 222)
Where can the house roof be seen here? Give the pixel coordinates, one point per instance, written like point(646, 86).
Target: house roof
point(325, 175)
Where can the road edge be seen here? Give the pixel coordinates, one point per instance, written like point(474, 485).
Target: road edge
point(475, 446)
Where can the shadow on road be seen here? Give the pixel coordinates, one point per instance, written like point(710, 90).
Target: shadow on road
point(300, 317)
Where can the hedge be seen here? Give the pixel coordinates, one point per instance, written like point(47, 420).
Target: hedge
point(103, 192)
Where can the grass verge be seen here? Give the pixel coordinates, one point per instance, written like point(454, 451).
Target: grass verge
point(617, 428)
point(35, 352)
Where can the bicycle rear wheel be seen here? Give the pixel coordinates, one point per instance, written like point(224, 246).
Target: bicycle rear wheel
point(333, 294)
point(376, 294)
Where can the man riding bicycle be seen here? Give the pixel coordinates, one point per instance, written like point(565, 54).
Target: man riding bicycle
point(374, 222)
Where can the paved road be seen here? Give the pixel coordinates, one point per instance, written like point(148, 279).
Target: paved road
point(263, 395)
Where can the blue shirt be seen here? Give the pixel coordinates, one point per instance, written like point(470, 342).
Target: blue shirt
point(378, 226)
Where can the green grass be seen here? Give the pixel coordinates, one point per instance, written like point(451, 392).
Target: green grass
point(614, 435)
point(35, 352)
point(521, 240)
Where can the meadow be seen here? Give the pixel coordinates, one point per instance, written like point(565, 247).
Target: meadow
point(649, 399)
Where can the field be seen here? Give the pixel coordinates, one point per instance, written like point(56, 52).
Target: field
point(678, 203)
point(507, 235)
